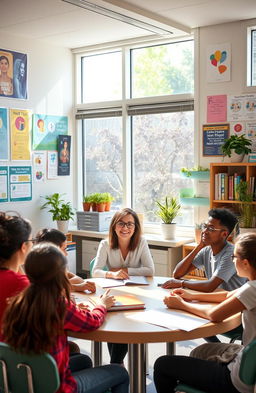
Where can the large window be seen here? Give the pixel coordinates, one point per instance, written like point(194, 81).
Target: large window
point(251, 56)
point(135, 146)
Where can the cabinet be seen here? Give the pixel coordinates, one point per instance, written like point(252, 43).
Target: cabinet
point(245, 170)
point(89, 251)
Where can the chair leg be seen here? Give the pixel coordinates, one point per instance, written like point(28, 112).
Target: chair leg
point(5, 379)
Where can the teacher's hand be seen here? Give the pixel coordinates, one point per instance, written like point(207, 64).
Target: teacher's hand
point(120, 274)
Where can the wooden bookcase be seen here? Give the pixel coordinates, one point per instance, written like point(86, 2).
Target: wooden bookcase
point(244, 169)
point(196, 274)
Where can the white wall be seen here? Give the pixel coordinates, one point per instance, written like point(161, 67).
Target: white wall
point(50, 90)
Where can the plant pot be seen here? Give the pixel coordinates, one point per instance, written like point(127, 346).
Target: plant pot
point(236, 157)
point(94, 207)
point(107, 206)
point(86, 206)
point(100, 207)
point(168, 231)
point(63, 226)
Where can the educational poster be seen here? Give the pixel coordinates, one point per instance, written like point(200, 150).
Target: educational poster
point(20, 134)
point(39, 166)
point(46, 129)
point(13, 74)
point(20, 183)
point(4, 135)
point(242, 107)
point(251, 134)
point(237, 128)
point(3, 184)
point(217, 108)
point(218, 61)
point(64, 146)
point(213, 138)
point(52, 165)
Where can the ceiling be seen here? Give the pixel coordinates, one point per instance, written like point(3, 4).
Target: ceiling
point(67, 25)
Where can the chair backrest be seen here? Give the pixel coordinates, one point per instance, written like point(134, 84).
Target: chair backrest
point(247, 371)
point(92, 264)
point(23, 373)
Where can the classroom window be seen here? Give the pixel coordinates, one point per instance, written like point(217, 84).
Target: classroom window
point(253, 58)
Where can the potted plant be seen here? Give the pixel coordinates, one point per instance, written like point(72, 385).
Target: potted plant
point(87, 201)
point(100, 204)
point(196, 172)
point(61, 212)
point(236, 147)
point(246, 207)
point(168, 211)
point(107, 198)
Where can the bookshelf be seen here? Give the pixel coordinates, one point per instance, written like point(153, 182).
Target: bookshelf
point(196, 274)
point(244, 170)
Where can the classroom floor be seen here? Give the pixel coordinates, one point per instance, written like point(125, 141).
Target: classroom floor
point(154, 351)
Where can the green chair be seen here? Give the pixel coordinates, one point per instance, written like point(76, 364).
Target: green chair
point(247, 371)
point(234, 334)
point(23, 373)
point(92, 264)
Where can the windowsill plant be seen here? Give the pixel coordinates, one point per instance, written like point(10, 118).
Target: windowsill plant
point(168, 211)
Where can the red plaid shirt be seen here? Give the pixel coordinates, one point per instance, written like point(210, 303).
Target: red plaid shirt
point(76, 320)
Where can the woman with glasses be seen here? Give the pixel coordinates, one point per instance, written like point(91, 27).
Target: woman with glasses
point(124, 253)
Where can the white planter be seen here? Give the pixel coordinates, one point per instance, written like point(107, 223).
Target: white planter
point(168, 231)
point(236, 157)
point(63, 226)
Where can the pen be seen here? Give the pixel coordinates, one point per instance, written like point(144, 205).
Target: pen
point(159, 284)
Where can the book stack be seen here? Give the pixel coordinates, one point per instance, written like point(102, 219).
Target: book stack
point(225, 186)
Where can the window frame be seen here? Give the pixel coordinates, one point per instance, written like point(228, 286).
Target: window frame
point(250, 30)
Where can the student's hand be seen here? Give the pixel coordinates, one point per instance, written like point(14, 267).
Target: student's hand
point(107, 300)
point(172, 283)
point(83, 286)
point(174, 301)
point(83, 306)
point(182, 293)
point(120, 274)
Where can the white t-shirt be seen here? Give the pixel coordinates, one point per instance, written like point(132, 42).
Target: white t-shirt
point(138, 262)
point(246, 295)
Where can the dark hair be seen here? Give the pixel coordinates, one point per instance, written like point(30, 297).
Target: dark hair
point(50, 235)
point(4, 58)
point(225, 216)
point(14, 231)
point(246, 247)
point(35, 317)
point(113, 239)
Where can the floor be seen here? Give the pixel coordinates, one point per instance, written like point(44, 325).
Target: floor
point(154, 351)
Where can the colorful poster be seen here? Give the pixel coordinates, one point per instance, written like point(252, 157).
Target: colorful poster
point(13, 74)
point(218, 60)
point(3, 184)
point(20, 134)
point(52, 164)
point(20, 183)
point(39, 166)
point(237, 128)
point(242, 107)
point(46, 130)
point(64, 146)
point(217, 109)
point(4, 135)
point(213, 138)
point(251, 134)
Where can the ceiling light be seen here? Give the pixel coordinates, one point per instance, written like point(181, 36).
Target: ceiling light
point(118, 16)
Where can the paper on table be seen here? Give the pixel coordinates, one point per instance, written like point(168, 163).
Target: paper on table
point(171, 320)
point(109, 282)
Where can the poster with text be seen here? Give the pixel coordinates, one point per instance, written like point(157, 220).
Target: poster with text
point(3, 184)
point(217, 108)
point(46, 129)
point(20, 183)
point(13, 74)
point(218, 61)
point(39, 166)
point(213, 138)
point(20, 134)
point(4, 135)
point(52, 165)
point(251, 134)
point(241, 107)
point(64, 147)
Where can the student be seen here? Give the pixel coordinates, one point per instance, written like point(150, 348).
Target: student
point(214, 253)
point(213, 376)
point(37, 320)
point(59, 239)
point(125, 253)
point(15, 243)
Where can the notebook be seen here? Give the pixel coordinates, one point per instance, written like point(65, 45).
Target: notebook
point(127, 302)
point(110, 282)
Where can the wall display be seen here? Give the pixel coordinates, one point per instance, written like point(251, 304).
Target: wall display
point(4, 135)
point(237, 128)
point(13, 74)
point(20, 134)
point(52, 165)
point(20, 183)
point(39, 166)
point(46, 129)
point(213, 138)
point(3, 184)
point(241, 107)
point(64, 146)
point(217, 108)
point(218, 60)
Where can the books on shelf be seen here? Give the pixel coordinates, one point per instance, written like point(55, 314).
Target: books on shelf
point(226, 186)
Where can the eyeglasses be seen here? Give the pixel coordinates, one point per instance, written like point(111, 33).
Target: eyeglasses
point(129, 225)
point(32, 240)
point(208, 228)
point(235, 256)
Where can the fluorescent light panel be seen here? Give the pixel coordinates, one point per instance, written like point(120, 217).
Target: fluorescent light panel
point(118, 16)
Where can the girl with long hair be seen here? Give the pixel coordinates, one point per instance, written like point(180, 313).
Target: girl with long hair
point(37, 320)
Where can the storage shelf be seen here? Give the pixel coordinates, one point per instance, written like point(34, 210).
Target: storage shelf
point(196, 201)
point(198, 175)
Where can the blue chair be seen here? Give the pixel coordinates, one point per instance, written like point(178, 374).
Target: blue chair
point(92, 264)
point(23, 373)
point(247, 371)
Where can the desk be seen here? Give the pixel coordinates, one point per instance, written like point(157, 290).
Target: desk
point(118, 328)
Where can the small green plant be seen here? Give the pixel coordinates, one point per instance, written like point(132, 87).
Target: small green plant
point(87, 198)
point(246, 208)
point(188, 172)
point(239, 144)
point(60, 210)
point(168, 210)
point(107, 197)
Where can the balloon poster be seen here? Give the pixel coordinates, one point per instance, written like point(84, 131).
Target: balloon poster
point(218, 62)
